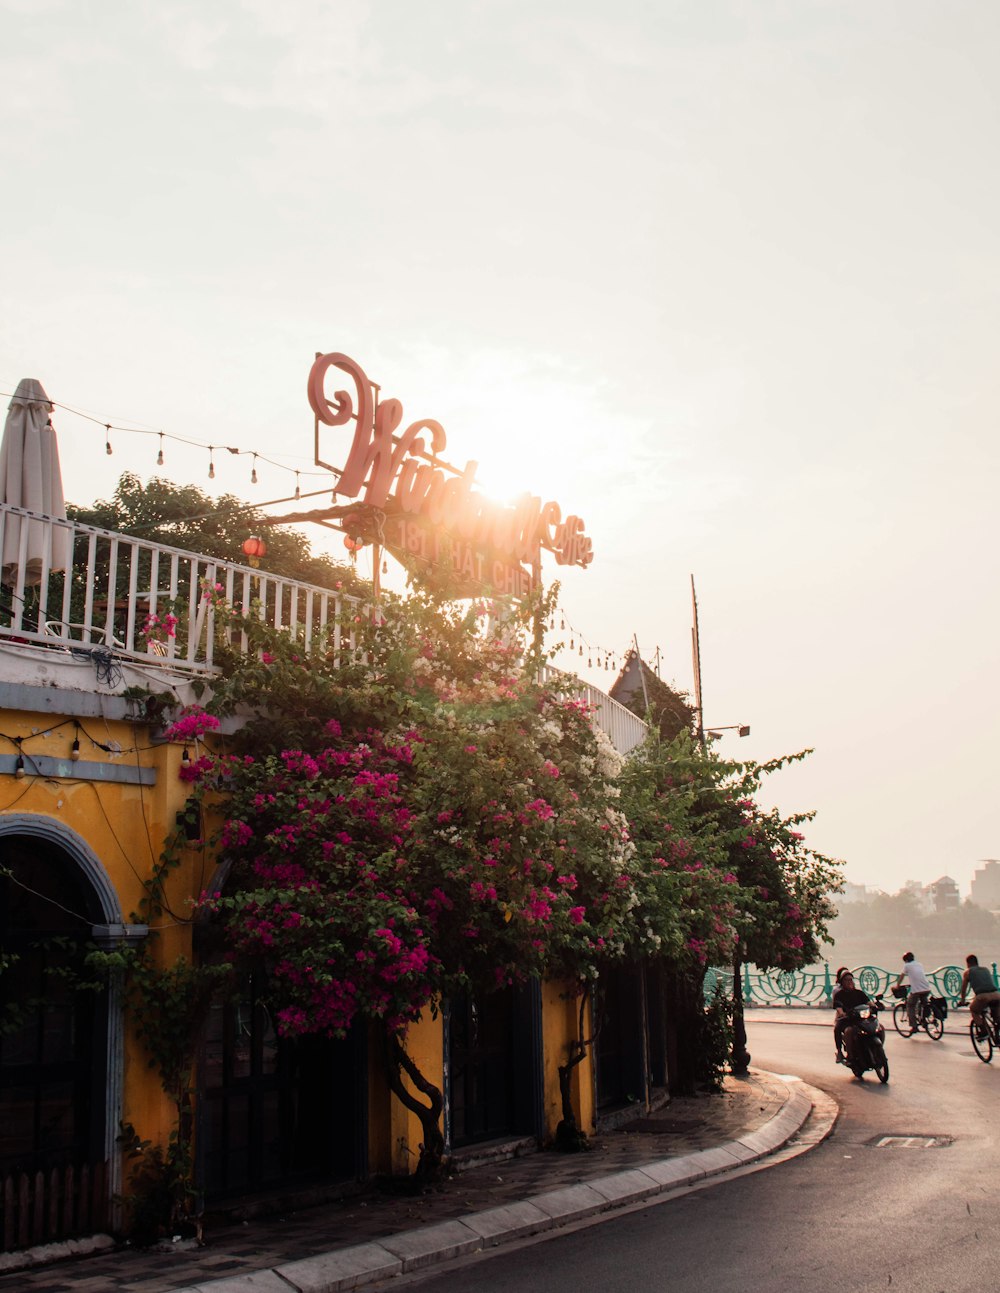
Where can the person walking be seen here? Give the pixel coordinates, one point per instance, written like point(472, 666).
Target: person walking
point(920, 987)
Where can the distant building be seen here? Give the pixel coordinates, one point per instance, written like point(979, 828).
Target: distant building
point(944, 895)
point(921, 896)
point(639, 689)
point(986, 885)
point(854, 893)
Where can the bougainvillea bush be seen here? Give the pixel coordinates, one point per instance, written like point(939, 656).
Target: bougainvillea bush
point(415, 807)
point(444, 819)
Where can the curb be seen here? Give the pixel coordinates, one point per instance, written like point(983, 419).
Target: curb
point(434, 1245)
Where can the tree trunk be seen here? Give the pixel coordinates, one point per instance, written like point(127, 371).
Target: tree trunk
point(430, 1164)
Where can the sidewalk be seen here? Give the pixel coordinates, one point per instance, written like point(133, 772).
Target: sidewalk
point(373, 1236)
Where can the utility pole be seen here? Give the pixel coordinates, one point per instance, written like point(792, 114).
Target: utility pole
point(740, 1060)
point(642, 672)
point(696, 664)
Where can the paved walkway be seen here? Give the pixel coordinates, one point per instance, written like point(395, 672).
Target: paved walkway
point(373, 1236)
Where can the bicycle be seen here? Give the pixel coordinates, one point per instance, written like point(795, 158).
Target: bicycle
point(984, 1031)
point(930, 1013)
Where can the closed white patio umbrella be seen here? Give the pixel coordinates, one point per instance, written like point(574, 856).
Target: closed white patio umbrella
point(30, 478)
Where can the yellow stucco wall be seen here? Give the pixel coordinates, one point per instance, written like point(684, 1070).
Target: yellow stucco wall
point(560, 1025)
point(125, 827)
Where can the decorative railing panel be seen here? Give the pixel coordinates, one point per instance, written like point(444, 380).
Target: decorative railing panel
point(814, 987)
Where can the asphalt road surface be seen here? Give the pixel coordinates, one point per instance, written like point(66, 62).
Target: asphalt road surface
point(848, 1215)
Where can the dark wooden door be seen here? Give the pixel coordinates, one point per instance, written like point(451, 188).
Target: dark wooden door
point(620, 1045)
point(275, 1112)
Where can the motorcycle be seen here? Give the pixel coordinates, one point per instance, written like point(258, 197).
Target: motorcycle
point(866, 1048)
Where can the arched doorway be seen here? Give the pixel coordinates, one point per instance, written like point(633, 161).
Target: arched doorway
point(59, 1088)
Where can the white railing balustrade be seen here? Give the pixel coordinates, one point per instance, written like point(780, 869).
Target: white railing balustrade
point(145, 600)
point(152, 603)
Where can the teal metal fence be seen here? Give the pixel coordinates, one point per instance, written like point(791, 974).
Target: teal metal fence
point(814, 987)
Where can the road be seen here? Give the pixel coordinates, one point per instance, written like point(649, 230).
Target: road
point(846, 1216)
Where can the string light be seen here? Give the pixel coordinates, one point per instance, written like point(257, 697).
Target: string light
point(19, 765)
point(253, 473)
point(74, 749)
point(298, 492)
point(211, 462)
point(166, 435)
point(186, 758)
point(597, 657)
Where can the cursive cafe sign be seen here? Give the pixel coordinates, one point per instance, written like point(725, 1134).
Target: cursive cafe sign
point(422, 498)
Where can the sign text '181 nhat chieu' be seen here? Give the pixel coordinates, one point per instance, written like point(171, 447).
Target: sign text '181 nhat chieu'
point(432, 513)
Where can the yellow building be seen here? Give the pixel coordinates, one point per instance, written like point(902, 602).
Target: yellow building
point(89, 796)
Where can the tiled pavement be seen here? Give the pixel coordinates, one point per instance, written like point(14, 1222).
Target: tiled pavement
point(752, 1116)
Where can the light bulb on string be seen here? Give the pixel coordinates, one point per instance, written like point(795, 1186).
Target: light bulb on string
point(385, 567)
point(159, 456)
point(298, 492)
point(581, 648)
point(253, 473)
point(107, 439)
point(186, 758)
point(74, 749)
point(572, 644)
point(211, 462)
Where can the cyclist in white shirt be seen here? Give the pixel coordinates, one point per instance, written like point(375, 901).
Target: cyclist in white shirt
point(920, 986)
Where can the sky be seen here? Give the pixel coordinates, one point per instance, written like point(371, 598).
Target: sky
point(721, 278)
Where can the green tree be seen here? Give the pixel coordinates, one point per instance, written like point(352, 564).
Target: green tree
point(718, 880)
point(183, 516)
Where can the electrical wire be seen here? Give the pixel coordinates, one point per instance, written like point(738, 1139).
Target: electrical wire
point(108, 427)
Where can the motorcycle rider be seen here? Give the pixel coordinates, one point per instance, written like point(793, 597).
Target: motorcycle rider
point(840, 1022)
point(984, 989)
point(920, 986)
point(846, 999)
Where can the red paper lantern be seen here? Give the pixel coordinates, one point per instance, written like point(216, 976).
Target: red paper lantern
point(254, 548)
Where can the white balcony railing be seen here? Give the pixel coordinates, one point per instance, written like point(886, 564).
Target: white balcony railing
point(115, 583)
